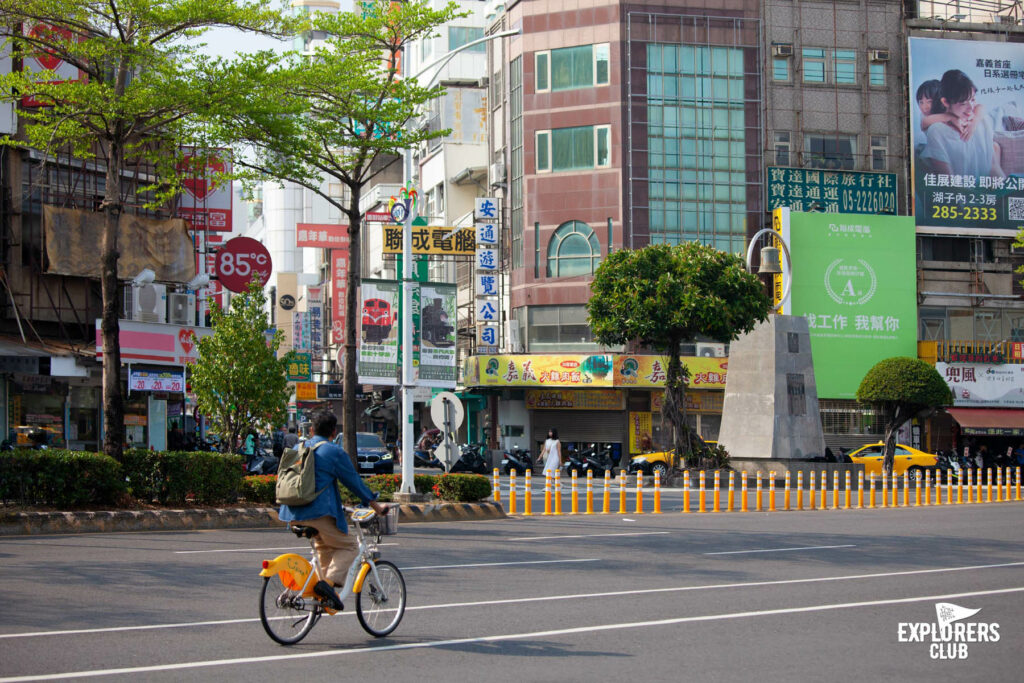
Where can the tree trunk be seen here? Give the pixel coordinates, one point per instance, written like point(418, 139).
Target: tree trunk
point(674, 407)
point(113, 402)
point(893, 422)
point(349, 418)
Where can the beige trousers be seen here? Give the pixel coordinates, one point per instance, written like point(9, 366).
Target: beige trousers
point(334, 549)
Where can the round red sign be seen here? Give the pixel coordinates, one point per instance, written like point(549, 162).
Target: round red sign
point(241, 259)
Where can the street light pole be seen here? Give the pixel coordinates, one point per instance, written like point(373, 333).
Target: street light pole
point(408, 376)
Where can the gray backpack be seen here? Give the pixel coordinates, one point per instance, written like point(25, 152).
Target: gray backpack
point(296, 476)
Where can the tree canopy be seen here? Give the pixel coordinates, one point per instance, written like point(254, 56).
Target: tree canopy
point(238, 381)
point(902, 387)
point(663, 295)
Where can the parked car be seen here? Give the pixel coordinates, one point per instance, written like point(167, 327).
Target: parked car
point(661, 462)
point(373, 456)
point(906, 459)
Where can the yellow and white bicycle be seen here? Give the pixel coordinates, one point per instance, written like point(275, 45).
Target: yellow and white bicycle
point(288, 607)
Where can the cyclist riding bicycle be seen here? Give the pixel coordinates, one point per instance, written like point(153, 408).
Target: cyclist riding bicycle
point(334, 547)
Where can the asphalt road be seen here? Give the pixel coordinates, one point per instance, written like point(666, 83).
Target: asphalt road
point(802, 596)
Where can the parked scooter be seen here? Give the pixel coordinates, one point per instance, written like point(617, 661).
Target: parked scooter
point(517, 459)
point(598, 460)
point(572, 460)
point(472, 458)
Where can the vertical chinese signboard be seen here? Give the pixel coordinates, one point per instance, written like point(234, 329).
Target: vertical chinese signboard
point(339, 286)
point(856, 284)
point(437, 335)
point(487, 306)
point(967, 167)
point(315, 314)
point(378, 345)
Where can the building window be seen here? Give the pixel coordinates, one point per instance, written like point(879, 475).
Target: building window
point(876, 74)
point(558, 325)
point(830, 151)
point(462, 35)
point(814, 65)
point(571, 149)
point(516, 155)
point(780, 69)
point(569, 68)
point(426, 48)
point(782, 148)
point(844, 65)
point(879, 152)
point(573, 250)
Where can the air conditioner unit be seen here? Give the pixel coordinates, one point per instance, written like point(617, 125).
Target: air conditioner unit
point(181, 309)
point(149, 303)
point(782, 50)
point(497, 172)
point(711, 350)
point(878, 55)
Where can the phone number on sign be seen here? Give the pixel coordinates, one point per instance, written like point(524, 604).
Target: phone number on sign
point(967, 213)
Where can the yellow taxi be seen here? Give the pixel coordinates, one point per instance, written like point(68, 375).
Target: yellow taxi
point(661, 462)
point(906, 459)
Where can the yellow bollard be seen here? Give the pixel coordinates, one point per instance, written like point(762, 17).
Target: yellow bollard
point(639, 493)
point(1016, 495)
point(558, 492)
point(885, 489)
point(758, 501)
point(590, 492)
point(771, 491)
point(686, 490)
point(989, 479)
point(657, 493)
point(970, 485)
point(849, 492)
point(800, 490)
point(785, 497)
point(743, 491)
point(927, 489)
point(718, 492)
point(622, 492)
point(732, 492)
point(860, 490)
point(547, 493)
point(812, 489)
point(606, 503)
point(575, 494)
point(980, 484)
point(497, 486)
point(835, 490)
point(999, 484)
point(871, 497)
point(918, 485)
point(701, 507)
point(512, 492)
point(527, 509)
point(960, 487)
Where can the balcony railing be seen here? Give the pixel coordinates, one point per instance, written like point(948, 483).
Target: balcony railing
point(971, 351)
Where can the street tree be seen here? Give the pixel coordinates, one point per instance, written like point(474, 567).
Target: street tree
point(902, 388)
point(664, 295)
point(337, 114)
point(239, 382)
point(140, 78)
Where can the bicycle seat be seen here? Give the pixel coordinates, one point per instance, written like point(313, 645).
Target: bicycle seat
point(300, 531)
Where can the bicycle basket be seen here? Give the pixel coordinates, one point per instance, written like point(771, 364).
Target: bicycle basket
point(388, 524)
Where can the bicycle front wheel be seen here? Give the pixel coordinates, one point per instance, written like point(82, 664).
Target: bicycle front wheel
point(381, 604)
point(285, 617)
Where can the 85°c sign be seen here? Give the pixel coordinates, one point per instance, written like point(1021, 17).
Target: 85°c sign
point(241, 259)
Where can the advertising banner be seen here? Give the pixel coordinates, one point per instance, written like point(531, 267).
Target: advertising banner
point(967, 135)
point(339, 278)
point(570, 399)
point(300, 368)
point(432, 240)
point(984, 386)
point(650, 371)
point(437, 335)
point(155, 343)
point(605, 370)
point(856, 283)
point(800, 189)
point(378, 345)
point(315, 314)
point(157, 380)
point(321, 235)
point(639, 427)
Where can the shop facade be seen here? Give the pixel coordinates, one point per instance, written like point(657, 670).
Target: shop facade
point(988, 407)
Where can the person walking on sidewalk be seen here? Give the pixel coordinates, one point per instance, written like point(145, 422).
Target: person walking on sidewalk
point(551, 454)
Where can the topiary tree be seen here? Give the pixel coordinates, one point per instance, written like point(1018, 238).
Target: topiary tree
point(902, 388)
point(664, 295)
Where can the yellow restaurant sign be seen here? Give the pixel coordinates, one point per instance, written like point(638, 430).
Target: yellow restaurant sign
point(432, 240)
point(568, 399)
point(305, 391)
point(586, 372)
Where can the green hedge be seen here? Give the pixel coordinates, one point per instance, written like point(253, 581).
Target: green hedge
point(464, 488)
point(172, 477)
point(60, 478)
point(260, 488)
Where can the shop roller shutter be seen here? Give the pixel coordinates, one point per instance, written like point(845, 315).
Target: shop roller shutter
point(579, 426)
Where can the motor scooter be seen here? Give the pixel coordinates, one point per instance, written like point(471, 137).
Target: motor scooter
point(471, 459)
point(573, 460)
point(517, 459)
point(598, 460)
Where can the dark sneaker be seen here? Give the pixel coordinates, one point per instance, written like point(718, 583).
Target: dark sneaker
point(326, 593)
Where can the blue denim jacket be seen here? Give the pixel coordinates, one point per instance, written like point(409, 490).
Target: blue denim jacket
point(332, 464)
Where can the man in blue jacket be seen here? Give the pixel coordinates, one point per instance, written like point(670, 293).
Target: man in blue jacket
point(335, 548)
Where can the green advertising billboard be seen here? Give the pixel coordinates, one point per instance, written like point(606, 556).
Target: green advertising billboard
point(855, 280)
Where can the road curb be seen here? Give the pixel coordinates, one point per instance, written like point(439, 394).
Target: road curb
point(41, 523)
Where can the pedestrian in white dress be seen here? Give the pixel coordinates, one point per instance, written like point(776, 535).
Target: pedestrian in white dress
point(551, 454)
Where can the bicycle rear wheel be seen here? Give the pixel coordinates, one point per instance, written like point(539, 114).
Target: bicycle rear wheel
point(381, 605)
point(286, 618)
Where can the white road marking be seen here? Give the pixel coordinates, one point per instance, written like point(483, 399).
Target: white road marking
point(781, 550)
point(248, 550)
point(496, 564)
point(504, 637)
point(542, 598)
point(630, 533)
